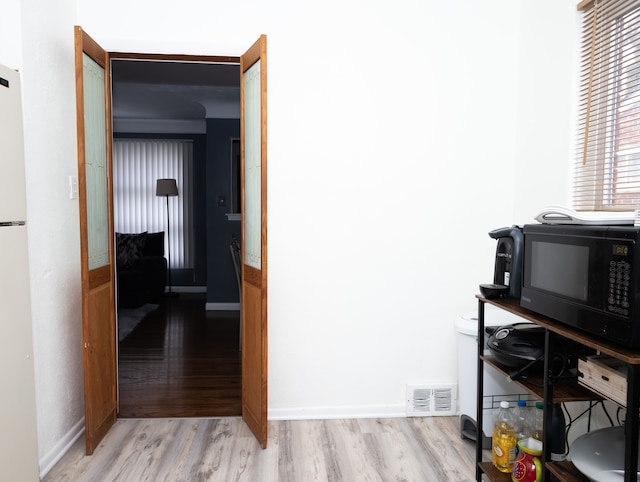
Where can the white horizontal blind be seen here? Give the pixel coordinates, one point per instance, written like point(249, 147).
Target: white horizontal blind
point(137, 164)
point(607, 165)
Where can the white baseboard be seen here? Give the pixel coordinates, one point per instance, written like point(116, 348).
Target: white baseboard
point(327, 413)
point(50, 459)
point(223, 306)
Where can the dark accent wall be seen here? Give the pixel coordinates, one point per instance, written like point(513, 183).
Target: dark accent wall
point(221, 282)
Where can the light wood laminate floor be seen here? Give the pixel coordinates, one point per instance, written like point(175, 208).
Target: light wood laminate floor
point(222, 449)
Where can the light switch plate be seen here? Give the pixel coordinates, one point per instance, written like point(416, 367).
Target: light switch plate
point(73, 187)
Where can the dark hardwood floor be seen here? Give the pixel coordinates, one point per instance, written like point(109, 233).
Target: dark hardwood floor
point(181, 361)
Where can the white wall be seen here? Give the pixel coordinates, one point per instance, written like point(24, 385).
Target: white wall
point(395, 144)
point(391, 154)
point(10, 28)
point(48, 83)
point(548, 64)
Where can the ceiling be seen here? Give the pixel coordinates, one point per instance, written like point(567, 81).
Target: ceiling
point(174, 90)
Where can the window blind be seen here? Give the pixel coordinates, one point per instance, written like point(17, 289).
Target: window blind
point(607, 165)
point(137, 164)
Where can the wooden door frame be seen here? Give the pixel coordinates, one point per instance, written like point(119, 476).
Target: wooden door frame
point(108, 58)
point(98, 286)
point(220, 60)
point(254, 279)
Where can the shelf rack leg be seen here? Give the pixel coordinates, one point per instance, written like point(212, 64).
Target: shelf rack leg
point(480, 390)
point(632, 424)
point(548, 403)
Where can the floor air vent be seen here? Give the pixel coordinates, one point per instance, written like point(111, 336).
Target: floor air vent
point(431, 400)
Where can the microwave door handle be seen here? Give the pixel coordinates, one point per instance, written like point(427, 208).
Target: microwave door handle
point(511, 231)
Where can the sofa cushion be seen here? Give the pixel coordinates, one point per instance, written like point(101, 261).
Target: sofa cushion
point(154, 245)
point(129, 247)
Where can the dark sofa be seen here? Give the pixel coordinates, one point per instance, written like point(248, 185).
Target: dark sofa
point(141, 268)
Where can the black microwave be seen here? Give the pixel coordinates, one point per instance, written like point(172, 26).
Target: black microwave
point(585, 276)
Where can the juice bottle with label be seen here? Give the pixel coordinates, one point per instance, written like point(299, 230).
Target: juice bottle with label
point(503, 439)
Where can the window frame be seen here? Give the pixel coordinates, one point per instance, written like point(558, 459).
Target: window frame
point(602, 182)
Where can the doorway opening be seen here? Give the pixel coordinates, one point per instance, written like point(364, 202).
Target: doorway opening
point(180, 359)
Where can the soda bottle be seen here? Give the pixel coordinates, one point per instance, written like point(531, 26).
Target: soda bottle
point(503, 438)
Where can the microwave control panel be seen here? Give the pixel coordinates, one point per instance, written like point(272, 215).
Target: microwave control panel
point(619, 282)
point(619, 299)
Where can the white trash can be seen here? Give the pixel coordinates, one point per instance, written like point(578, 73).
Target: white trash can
point(496, 386)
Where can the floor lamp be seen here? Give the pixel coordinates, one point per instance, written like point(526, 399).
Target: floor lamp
point(166, 188)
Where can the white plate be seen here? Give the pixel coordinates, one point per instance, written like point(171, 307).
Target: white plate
point(600, 454)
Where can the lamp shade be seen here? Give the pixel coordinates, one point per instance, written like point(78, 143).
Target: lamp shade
point(166, 187)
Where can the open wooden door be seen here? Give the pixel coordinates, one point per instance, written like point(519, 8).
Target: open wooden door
point(96, 239)
point(253, 159)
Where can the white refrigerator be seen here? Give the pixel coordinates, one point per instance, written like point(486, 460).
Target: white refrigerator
point(18, 443)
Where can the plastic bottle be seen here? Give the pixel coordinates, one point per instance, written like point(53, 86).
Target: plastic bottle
point(503, 439)
point(557, 429)
point(538, 422)
point(523, 424)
